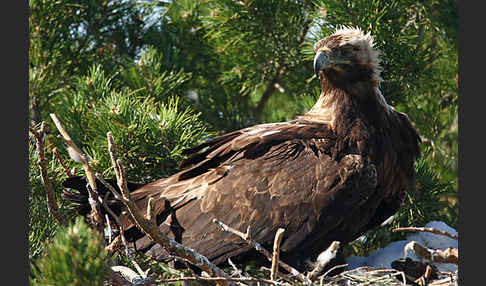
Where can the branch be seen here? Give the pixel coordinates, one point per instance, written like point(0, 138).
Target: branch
point(117, 279)
point(449, 255)
point(323, 259)
point(217, 279)
point(115, 193)
point(126, 276)
point(426, 229)
point(276, 253)
point(77, 155)
point(262, 250)
point(114, 245)
point(270, 88)
point(52, 206)
point(68, 173)
point(333, 268)
point(151, 229)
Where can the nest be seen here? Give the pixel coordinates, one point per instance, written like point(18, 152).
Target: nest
point(371, 276)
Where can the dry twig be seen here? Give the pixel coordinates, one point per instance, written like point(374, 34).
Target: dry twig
point(331, 269)
point(323, 259)
point(449, 255)
point(147, 225)
point(426, 229)
point(114, 245)
point(127, 276)
point(115, 193)
point(262, 250)
point(68, 173)
point(221, 279)
point(77, 155)
point(117, 279)
point(276, 253)
point(52, 206)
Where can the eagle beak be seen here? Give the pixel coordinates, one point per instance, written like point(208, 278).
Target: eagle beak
point(321, 61)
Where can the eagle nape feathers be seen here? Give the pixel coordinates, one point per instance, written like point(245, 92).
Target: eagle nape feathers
point(330, 174)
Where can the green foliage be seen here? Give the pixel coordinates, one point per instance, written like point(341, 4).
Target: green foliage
point(67, 37)
point(259, 43)
point(149, 78)
point(76, 256)
point(150, 134)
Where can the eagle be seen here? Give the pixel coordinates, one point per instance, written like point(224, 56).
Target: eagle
point(328, 175)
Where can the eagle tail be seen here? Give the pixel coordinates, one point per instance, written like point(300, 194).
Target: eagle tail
point(76, 192)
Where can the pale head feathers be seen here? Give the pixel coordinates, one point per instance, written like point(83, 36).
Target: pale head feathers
point(364, 43)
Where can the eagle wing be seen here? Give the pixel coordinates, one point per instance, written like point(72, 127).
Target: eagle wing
point(264, 177)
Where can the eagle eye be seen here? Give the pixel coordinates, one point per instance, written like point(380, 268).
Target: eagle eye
point(350, 47)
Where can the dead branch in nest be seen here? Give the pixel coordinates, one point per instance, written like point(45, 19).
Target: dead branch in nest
point(378, 279)
point(276, 253)
point(117, 279)
point(149, 227)
point(124, 276)
point(222, 279)
point(68, 173)
point(115, 193)
point(259, 248)
point(114, 245)
point(323, 259)
point(52, 206)
point(449, 255)
point(366, 275)
point(426, 229)
point(445, 281)
point(331, 269)
point(77, 155)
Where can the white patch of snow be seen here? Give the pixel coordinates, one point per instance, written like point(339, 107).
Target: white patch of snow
point(396, 250)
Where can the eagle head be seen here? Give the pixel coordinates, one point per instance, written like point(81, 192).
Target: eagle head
point(347, 56)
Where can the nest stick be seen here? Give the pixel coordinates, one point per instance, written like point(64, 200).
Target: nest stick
point(426, 229)
point(323, 259)
point(117, 279)
point(276, 253)
point(78, 155)
point(259, 248)
point(114, 245)
point(448, 255)
point(65, 169)
point(52, 206)
point(333, 268)
point(216, 279)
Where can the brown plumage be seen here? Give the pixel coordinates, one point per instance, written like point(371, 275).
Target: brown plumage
point(330, 174)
